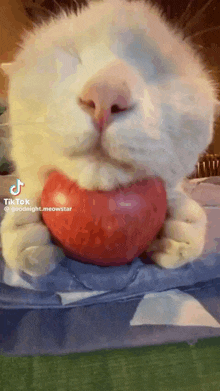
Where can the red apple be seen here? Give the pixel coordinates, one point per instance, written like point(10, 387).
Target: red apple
point(106, 228)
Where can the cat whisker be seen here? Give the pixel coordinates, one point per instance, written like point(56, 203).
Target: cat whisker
point(20, 123)
point(58, 5)
point(214, 28)
point(40, 12)
point(193, 20)
point(184, 16)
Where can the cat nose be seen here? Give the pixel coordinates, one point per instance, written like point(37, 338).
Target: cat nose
point(103, 101)
point(105, 98)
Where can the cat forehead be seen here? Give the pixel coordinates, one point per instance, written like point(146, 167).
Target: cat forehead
point(101, 21)
point(114, 23)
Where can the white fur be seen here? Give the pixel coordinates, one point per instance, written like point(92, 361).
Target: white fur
point(173, 103)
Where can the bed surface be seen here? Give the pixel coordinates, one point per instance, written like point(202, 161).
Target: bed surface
point(84, 307)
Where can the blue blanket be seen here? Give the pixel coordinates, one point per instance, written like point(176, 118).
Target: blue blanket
point(80, 307)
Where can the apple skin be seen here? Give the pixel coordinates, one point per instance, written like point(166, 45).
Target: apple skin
point(106, 228)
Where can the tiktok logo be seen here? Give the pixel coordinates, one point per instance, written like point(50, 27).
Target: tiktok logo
point(16, 189)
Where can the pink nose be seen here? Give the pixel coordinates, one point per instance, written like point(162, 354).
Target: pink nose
point(105, 96)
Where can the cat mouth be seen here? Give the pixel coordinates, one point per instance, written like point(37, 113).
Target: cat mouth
point(102, 156)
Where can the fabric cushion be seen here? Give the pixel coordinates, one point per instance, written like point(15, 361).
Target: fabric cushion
point(81, 307)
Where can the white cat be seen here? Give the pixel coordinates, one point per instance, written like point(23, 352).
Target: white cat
point(108, 97)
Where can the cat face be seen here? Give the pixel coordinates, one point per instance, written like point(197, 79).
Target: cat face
point(108, 97)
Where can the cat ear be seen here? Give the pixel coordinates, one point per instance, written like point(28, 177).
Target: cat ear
point(6, 67)
point(66, 63)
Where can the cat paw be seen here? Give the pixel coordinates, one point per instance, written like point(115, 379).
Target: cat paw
point(40, 260)
point(27, 246)
point(182, 237)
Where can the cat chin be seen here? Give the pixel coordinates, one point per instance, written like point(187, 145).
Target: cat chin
point(91, 174)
